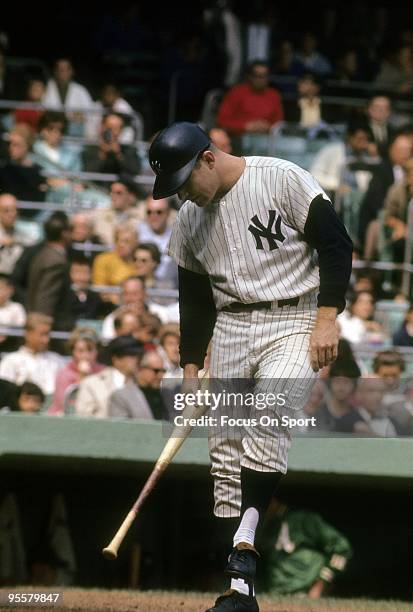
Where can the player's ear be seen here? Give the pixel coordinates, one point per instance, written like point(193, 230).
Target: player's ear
point(209, 157)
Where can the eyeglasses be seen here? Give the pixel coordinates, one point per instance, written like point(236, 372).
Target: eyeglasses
point(155, 212)
point(155, 370)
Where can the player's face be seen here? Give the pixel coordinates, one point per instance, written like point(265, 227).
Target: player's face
point(203, 183)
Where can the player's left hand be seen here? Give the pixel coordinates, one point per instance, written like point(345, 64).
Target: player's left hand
point(324, 339)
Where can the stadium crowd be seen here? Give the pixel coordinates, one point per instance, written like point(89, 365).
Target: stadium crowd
point(88, 296)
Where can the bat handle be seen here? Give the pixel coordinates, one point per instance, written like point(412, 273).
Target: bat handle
point(111, 551)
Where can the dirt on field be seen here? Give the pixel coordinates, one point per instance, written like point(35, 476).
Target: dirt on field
point(77, 600)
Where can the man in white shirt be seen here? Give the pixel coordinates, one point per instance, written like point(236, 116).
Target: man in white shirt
point(12, 314)
point(133, 295)
point(94, 391)
point(33, 362)
point(157, 229)
point(13, 238)
point(340, 164)
point(64, 93)
point(123, 210)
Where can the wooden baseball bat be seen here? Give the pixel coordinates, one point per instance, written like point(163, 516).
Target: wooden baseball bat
point(176, 440)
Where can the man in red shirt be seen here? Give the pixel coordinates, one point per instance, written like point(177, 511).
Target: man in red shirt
point(253, 106)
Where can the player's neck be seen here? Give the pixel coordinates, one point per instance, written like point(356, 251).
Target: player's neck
point(232, 170)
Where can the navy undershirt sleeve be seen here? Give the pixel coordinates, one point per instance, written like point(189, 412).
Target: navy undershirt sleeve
point(197, 315)
point(325, 233)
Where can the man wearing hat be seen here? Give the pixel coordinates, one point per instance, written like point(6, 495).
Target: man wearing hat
point(95, 390)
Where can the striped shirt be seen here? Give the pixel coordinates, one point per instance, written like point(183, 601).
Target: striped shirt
point(251, 242)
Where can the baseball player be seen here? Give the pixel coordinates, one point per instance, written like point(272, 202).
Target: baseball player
point(264, 264)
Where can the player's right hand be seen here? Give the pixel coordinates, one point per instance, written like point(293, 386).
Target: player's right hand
point(324, 340)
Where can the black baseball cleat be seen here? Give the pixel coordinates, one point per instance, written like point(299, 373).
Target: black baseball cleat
point(232, 601)
point(242, 562)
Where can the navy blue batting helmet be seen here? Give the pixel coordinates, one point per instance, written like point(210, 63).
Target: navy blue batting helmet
point(173, 155)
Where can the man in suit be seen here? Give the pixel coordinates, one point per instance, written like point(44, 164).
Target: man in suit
point(142, 397)
point(94, 391)
point(387, 173)
point(48, 280)
point(378, 115)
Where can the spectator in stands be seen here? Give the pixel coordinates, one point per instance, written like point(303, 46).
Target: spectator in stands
point(30, 116)
point(357, 323)
point(157, 229)
point(147, 259)
point(252, 106)
point(169, 337)
point(149, 378)
point(311, 59)
point(111, 100)
point(370, 416)
point(396, 72)
point(33, 362)
point(404, 336)
point(83, 237)
point(123, 210)
point(19, 174)
point(132, 295)
point(387, 173)
point(12, 314)
point(401, 412)
point(130, 403)
point(378, 114)
point(95, 390)
point(220, 138)
point(395, 211)
point(309, 101)
point(287, 65)
point(111, 156)
point(63, 93)
point(48, 279)
point(148, 330)
point(8, 393)
point(83, 347)
point(83, 302)
point(115, 266)
point(12, 236)
point(389, 365)
point(30, 398)
point(338, 397)
point(304, 554)
point(125, 321)
point(50, 152)
point(337, 164)
point(348, 67)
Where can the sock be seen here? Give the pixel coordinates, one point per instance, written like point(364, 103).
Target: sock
point(258, 488)
point(247, 527)
point(238, 584)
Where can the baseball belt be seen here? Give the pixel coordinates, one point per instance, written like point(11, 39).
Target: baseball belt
point(240, 307)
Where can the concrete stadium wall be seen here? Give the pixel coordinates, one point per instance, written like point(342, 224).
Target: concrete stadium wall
point(362, 486)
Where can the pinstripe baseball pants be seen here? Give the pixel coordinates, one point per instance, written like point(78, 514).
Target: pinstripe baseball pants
point(271, 348)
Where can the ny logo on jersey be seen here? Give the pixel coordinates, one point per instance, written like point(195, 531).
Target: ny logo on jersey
point(259, 231)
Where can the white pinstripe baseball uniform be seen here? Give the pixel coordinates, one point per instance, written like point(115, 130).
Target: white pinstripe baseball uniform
point(250, 244)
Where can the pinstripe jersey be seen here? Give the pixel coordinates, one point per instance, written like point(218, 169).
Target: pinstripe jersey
point(251, 242)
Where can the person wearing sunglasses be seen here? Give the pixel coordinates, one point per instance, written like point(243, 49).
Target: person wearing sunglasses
point(146, 384)
point(156, 228)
